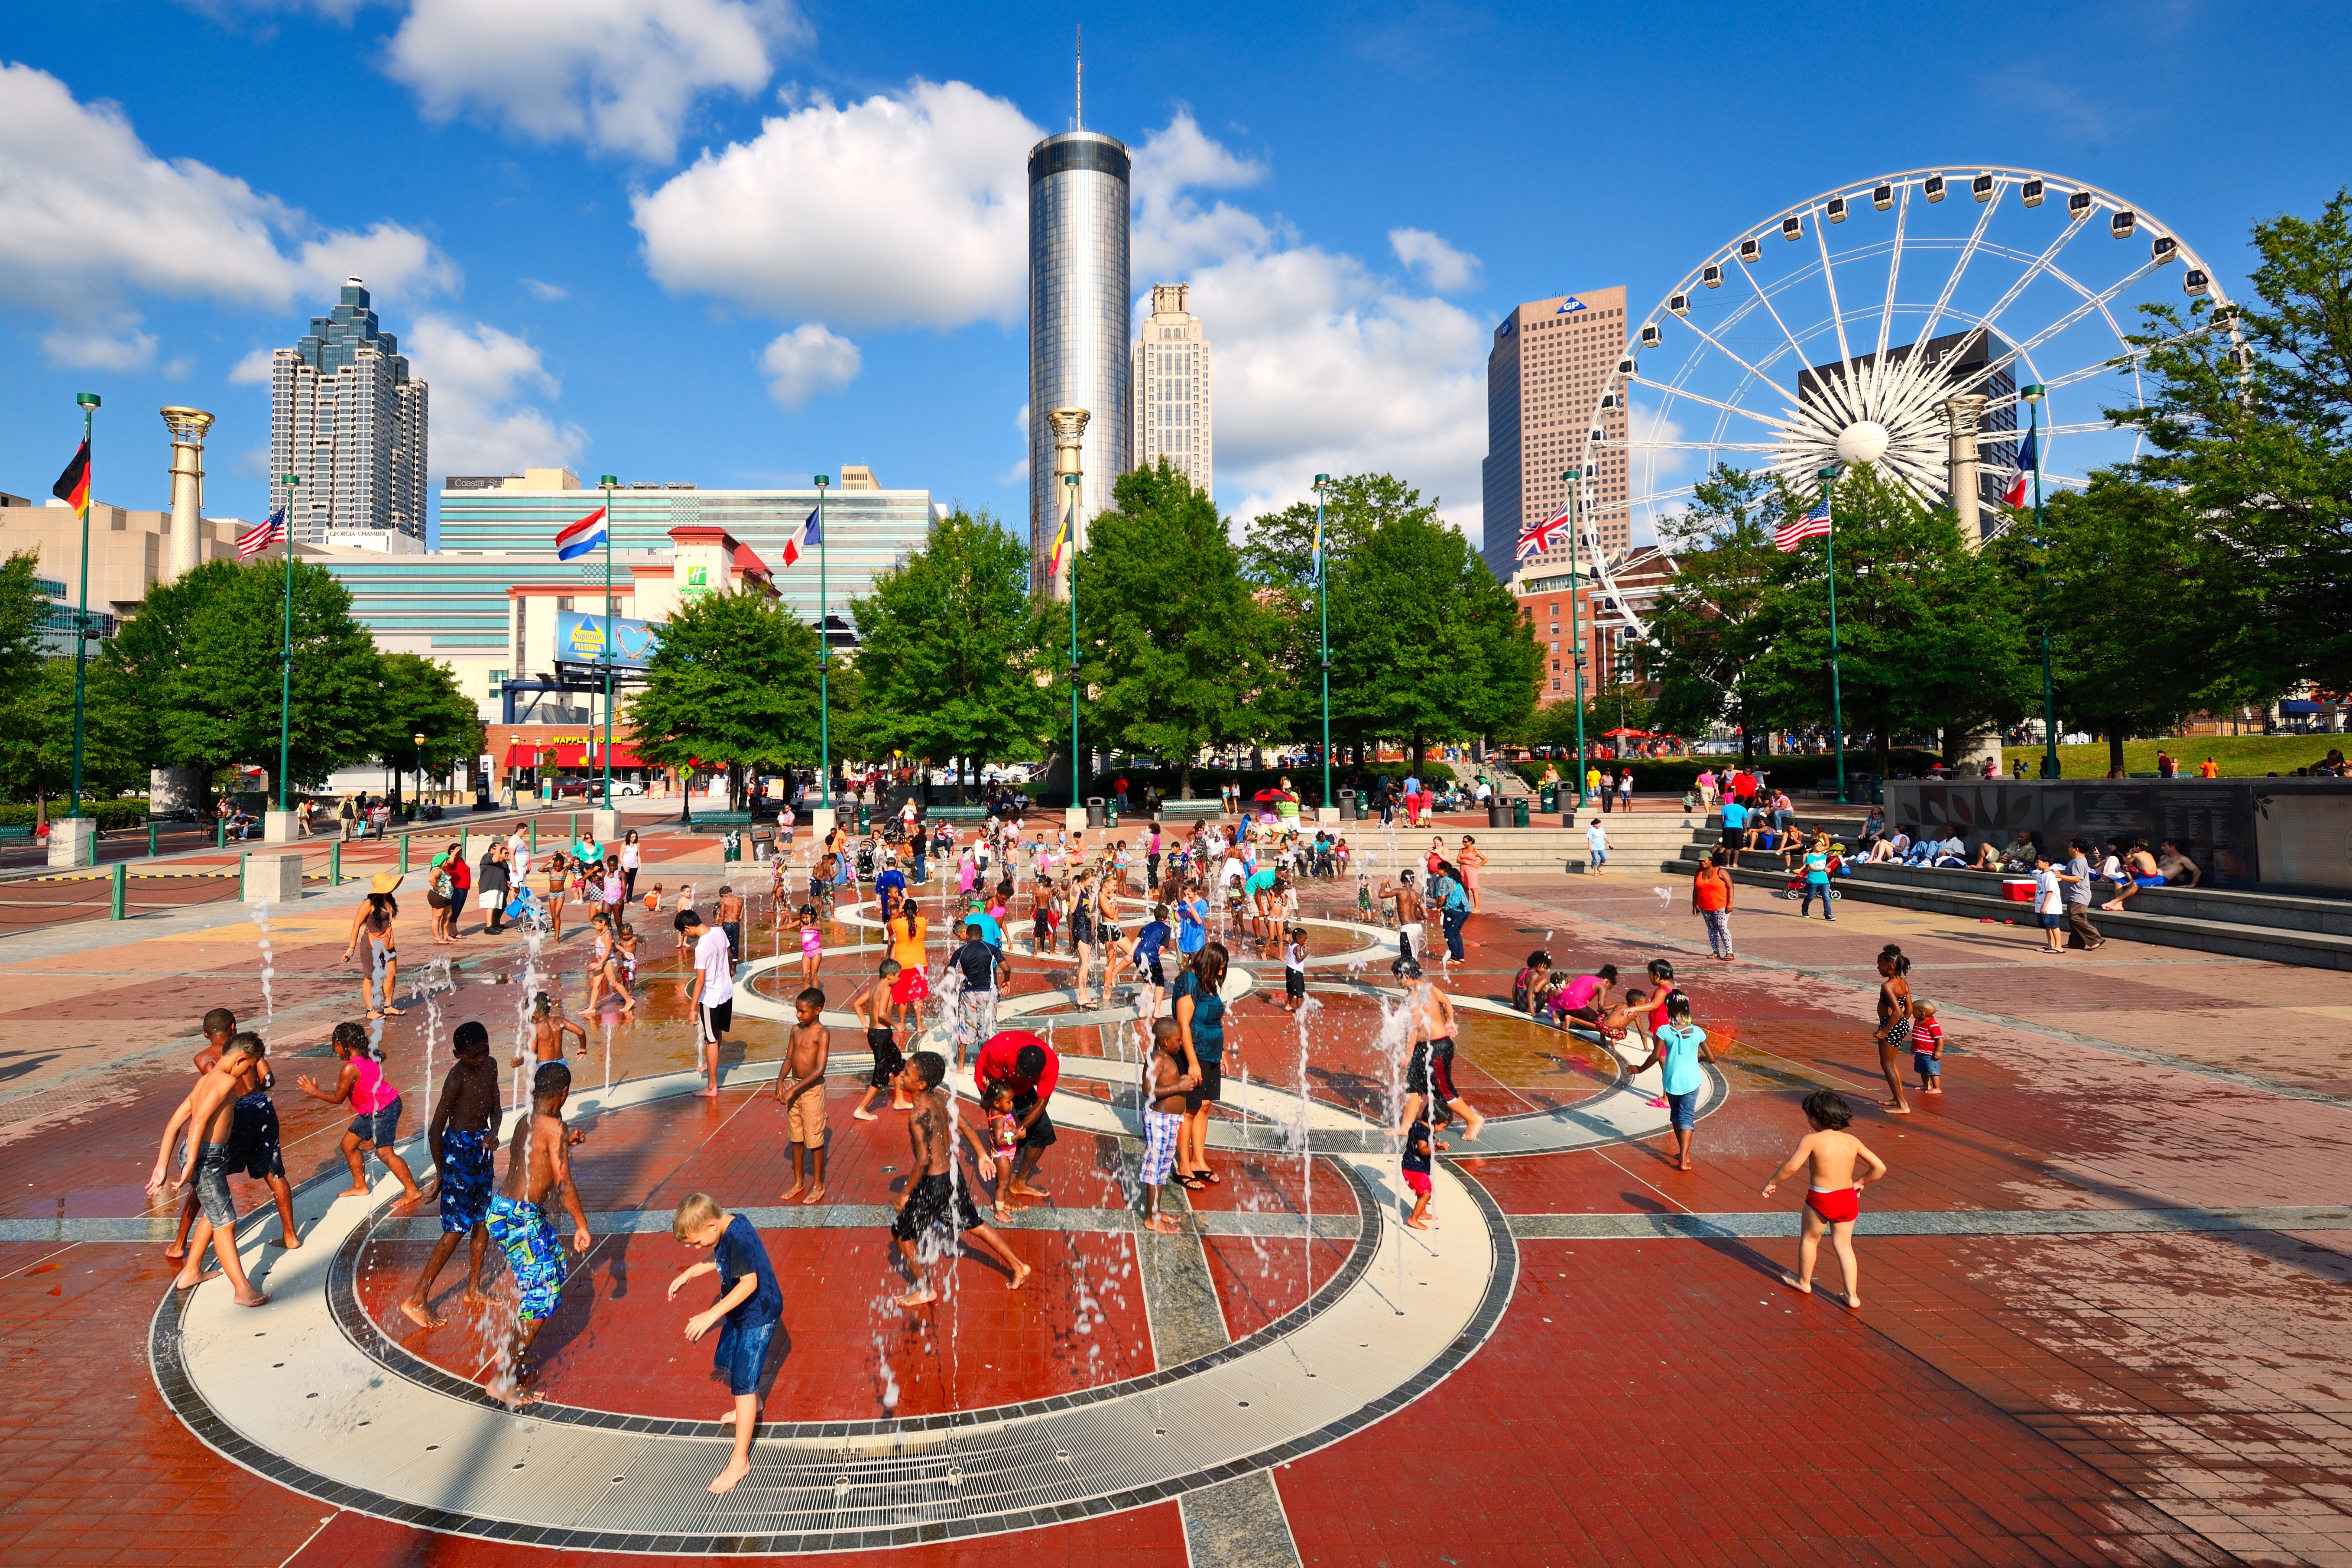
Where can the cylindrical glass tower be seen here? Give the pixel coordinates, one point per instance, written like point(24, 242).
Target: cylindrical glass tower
point(1078, 313)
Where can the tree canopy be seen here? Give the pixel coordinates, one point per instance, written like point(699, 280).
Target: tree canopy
point(732, 683)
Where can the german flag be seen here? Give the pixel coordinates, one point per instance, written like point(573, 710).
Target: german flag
point(73, 486)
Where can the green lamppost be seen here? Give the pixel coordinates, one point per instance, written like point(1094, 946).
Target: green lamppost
point(824, 656)
point(1575, 626)
point(1323, 607)
point(1070, 502)
point(286, 653)
point(89, 403)
point(607, 482)
point(1837, 702)
point(2032, 393)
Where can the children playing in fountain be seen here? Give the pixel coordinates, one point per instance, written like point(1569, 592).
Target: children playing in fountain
point(1164, 1086)
point(548, 1027)
point(539, 1169)
point(208, 1114)
point(375, 1124)
point(1418, 1145)
point(749, 1308)
point(934, 1196)
point(465, 1122)
point(253, 1146)
point(1833, 1194)
point(1682, 1046)
point(1429, 1077)
point(877, 1007)
point(800, 1090)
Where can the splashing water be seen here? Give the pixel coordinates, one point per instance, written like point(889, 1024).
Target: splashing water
point(269, 961)
point(1665, 899)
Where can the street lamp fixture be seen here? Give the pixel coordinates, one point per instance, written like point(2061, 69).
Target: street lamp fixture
point(2030, 395)
point(1827, 476)
point(1323, 609)
point(1568, 479)
point(419, 739)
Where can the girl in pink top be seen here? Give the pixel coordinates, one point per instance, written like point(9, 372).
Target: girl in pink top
point(376, 1125)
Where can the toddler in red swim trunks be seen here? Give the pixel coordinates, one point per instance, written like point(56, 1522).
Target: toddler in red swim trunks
point(1828, 1156)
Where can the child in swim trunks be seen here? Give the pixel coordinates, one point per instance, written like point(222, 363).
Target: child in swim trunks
point(461, 1136)
point(749, 1308)
point(376, 1123)
point(1833, 1199)
point(875, 1008)
point(1417, 1151)
point(1165, 1081)
point(1927, 1046)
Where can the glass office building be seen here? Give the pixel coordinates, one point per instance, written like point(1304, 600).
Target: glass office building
point(1078, 318)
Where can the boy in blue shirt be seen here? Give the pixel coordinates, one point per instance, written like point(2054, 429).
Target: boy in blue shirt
point(1735, 828)
point(1682, 1046)
point(1191, 922)
point(1148, 944)
point(749, 1304)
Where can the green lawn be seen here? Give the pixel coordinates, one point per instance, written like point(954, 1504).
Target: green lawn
point(2241, 756)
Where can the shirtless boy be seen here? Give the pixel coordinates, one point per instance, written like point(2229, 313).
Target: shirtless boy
point(875, 1006)
point(1833, 1198)
point(933, 1193)
point(539, 1167)
point(253, 1137)
point(462, 1135)
point(548, 1027)
point(1165, 1081)
point(800, 1090)
point(209, 1116)
point(1432, 1063)
point(1408, 911)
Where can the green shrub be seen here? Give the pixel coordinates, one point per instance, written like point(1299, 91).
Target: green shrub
point(111, 815)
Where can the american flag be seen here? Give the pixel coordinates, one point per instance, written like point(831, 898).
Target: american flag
point(261, 535)
point(1543, 536)
point(1813, 525)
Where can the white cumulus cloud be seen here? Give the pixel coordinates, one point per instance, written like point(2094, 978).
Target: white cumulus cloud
point(806, 360)
point(1173, 232)
point(620, 75)
point(910, 209)
point(253, 369)
point(94, 220)
point(1445, 268)
point(482, 379)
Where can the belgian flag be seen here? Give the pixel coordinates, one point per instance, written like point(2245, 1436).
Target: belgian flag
point(73, 486)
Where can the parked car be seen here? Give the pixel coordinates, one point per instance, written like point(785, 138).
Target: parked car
point(627, 786)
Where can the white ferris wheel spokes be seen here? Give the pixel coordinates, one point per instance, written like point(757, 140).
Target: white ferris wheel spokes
point(1852, 349)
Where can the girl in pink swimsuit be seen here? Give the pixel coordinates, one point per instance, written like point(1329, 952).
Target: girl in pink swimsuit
point(376, 1124)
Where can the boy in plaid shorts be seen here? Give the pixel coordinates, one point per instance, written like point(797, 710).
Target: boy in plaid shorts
point(1164, 1111)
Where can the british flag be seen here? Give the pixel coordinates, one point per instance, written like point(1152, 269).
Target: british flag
point(1543, 537)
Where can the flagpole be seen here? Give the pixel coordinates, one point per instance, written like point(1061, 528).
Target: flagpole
point(823, 657)
point(1070, 527)
point(1837, 700)
point(2033, 394)
point(89, 403)
point(1575, 628)
point(1323, 604)
point(607, 482)
point(286, 656)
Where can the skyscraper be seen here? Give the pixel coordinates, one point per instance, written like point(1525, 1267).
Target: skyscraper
point(347, 418)
point(1172, 388)
point(1544, 379)
point(1078, 315)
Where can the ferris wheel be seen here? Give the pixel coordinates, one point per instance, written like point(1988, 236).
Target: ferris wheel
point(1841, 330)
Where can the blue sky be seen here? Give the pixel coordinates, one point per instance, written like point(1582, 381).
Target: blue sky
point(739, 244)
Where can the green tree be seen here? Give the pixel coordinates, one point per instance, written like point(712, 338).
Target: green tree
point(2262, 443)
point(733, 683)
point(1278, 559)
point(950, 656)
point(1172, 646)
point(200, 665)
point(1425, 642)
point(37, 748)
point(1930, 633)
point(420, 697)
point(2141, 598)
point(1705, 630)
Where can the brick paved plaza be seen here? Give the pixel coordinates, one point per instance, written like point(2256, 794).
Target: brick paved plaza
point(2105, 1279)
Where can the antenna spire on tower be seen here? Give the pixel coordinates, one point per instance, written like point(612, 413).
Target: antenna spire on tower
point(1079, 121)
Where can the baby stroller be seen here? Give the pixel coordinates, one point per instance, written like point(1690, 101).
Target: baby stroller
point(524, 911)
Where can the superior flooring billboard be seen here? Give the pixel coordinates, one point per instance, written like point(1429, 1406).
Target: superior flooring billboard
point(2288, 835)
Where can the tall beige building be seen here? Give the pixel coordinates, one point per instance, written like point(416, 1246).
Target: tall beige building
point(1172, 388)
point(1545, 377)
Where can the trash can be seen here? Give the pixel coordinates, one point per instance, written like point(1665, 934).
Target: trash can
point(1548, 798)
point(1096, 816)
point(1520, 811)
point(1110, 815)
point(1498, 814)
point(865, 818)
point(734, 842)
point(1348, 806)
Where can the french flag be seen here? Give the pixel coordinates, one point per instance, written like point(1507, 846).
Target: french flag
point(581, 537)
point(2015, 495)
point(808, 537)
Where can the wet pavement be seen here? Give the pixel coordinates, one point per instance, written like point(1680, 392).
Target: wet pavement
point(2007, 1394)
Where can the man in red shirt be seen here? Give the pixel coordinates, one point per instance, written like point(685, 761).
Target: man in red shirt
point(1032, 1066)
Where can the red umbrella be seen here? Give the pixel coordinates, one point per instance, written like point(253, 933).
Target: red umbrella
point(1612, 734)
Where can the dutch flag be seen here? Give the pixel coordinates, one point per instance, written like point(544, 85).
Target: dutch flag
point(580, 538)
